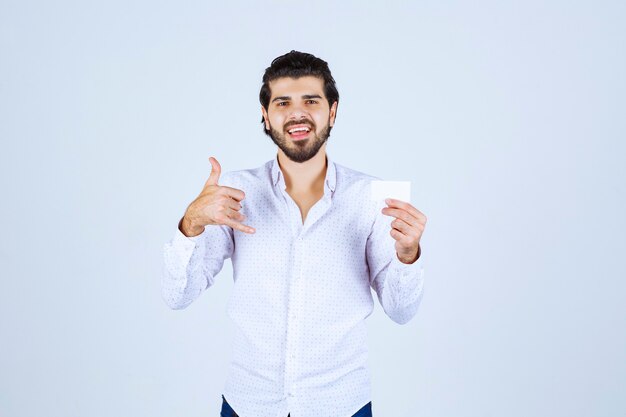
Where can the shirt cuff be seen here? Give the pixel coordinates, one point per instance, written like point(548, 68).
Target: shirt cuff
point(186, 241)
point(407, 269)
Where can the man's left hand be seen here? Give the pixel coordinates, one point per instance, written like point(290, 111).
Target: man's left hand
point(406, 229)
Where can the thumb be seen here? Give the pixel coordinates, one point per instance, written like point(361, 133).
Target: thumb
point(216, 170)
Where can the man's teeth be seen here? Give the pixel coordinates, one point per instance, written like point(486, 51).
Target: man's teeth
point(298, 129)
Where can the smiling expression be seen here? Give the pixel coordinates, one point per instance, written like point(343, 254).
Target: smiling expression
point(298, 117)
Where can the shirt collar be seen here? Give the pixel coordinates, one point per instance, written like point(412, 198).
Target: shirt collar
point(331, 173)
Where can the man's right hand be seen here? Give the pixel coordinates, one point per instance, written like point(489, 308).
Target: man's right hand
point(216, 204)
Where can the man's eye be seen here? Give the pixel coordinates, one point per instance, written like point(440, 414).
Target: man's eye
point(281, 103)
point(312, 101)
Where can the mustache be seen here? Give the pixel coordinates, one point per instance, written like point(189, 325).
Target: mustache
point(301, 122)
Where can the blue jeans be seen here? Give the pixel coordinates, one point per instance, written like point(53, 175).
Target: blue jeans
point(227, 411)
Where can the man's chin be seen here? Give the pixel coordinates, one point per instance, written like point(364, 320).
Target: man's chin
point(301, 142)
point(299, 156)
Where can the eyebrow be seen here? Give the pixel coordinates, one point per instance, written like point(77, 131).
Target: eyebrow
point(306, 97)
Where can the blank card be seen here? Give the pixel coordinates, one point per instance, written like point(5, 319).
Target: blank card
point(399, 190)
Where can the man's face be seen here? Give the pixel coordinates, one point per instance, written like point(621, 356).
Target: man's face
point(298, 116)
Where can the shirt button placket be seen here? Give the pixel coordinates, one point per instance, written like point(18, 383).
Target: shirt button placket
point(292, 324)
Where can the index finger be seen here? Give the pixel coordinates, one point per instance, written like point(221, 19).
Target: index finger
point(392, 202)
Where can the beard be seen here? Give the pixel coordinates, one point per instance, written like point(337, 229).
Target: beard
point(301, 150)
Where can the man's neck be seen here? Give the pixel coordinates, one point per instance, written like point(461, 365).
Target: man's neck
point(306, 177)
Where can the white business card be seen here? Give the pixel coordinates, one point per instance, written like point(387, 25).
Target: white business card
point(399, 190)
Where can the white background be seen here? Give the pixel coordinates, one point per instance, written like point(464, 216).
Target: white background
point(508, 118)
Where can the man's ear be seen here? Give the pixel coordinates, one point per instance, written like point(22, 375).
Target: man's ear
point(265, 119)
point(333, 113)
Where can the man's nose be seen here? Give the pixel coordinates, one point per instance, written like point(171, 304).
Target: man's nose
point(298, 112)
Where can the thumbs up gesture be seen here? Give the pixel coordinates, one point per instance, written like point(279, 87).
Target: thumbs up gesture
point(216, 205)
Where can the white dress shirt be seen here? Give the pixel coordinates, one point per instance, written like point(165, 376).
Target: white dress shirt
point(301, 291)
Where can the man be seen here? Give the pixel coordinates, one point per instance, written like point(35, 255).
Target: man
point(307, 244)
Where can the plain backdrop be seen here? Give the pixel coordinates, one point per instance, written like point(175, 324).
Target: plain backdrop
point(508, 117)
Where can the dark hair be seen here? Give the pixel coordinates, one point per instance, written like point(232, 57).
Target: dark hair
point(297, 64)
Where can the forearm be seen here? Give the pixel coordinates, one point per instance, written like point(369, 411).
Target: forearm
point(401, 290)
point(183, 279)
point(189, 228)
point(191, 263)
point(410, 259)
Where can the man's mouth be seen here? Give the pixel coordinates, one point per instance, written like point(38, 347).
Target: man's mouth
point(299, 132)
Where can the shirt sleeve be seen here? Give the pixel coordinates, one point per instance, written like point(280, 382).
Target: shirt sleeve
point(399, 286)
point(191, 263)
